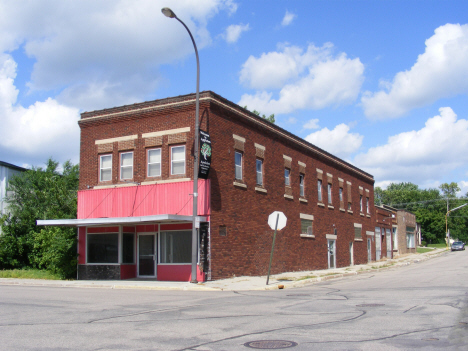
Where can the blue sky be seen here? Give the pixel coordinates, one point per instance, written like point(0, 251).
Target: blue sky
point(381, 84)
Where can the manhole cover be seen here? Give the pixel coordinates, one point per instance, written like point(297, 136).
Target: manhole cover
point(371, 305)
point(270, 344)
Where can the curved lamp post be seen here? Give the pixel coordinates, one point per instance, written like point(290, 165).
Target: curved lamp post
point(446, 223)
point(169, 13)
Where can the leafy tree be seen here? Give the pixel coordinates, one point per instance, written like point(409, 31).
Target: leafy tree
point(40, 194)
point(270, 118)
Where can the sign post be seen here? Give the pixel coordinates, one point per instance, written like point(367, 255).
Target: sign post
point(277, 221)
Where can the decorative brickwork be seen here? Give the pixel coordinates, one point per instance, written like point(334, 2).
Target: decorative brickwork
point(104, 148)
point(154, 141)
point(126, 145)
point(177, 138)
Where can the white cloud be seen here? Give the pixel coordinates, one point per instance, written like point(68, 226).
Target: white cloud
point(312, 79)
point(43, 129)
point(312, 124)
point(288, 18)
point(441, 71)
point(338, 141)
point(464, 188)
point(113, 48)
point(234, 31)
point(421, 155)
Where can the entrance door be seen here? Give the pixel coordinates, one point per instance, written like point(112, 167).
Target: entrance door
point(378, 245)
point(147, 255)
point(389, 243)
point(369, 250)
point(331, 254)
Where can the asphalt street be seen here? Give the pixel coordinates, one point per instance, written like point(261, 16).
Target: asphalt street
point(419, 306)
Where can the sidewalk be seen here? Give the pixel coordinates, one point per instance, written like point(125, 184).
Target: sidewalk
point(283, 280)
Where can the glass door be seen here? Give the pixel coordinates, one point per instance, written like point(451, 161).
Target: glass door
point(147, 255)
point(331, 254)
point(369, 250)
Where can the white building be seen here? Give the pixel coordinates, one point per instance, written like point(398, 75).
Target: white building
point(7, 171)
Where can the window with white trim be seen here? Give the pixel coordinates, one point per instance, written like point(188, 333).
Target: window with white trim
point(329, 193)
point(301, 185)
point(105, 168)
point(178, 160)
point(357, 231)
point(319, 189)
point(306, 227)
point(367, 205)
point(410, 237)
point(287, 173)
point(259, 166)
point(176, 247)
point(102, 248)
point(360, 203)
point(154, 163)
point(238, 164)
point(126, 165)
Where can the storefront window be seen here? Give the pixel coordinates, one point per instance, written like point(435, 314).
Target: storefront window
point(103, 248)
point(176, 247)
point(128, 248)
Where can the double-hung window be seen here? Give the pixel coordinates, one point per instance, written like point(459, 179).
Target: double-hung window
point(259, 165)
point(154, 163)
point(301, 185)
point(341, 195)
point(178, 160)
point(126, 165)
point(238, 165)
point(286, 177)
point(360, 203)
point(319, 189)
point(329, 193)
point(105, 168)
point(367, 205)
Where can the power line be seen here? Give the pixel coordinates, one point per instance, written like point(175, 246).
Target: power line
point(427, 201)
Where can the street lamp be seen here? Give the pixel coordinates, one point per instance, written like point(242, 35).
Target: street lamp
point(446, 223)
point(169, 13)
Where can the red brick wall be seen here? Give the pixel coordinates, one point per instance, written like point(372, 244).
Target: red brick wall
point(246, 248)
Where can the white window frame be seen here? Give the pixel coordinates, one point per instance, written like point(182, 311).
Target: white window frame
point(367, 205)
point(301, 185)
point(122, 166)
point(238, 167)
point(172, 160)
point(360, 202)
point(319, 189)
point(259, 173)
point(329, 190)
point(100, 167)
point(148, 163)
point(341, 194)
point(287, 176)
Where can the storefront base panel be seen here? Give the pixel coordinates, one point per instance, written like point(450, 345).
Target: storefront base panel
point(99, 272)
point(178, 273)
point(128, 271)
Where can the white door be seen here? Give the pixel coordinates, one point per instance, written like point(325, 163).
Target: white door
point(147, 255)
point(378, 244)
point(331, 253)
point(389, 243)
point(369, 250)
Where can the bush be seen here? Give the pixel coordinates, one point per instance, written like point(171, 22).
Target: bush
point(423, 243)
point(54, 249)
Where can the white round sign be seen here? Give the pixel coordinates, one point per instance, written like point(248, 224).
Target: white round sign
point(281, 220)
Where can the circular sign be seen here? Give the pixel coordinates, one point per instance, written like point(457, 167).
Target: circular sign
point(281, 220)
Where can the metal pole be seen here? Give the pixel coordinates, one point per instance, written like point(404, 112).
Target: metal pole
point(272, 248)
point(169, 13)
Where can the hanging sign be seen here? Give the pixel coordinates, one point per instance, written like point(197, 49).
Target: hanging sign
point(205, 155)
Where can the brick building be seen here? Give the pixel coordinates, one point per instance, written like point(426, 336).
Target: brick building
point(385, 231)
point(135, 203)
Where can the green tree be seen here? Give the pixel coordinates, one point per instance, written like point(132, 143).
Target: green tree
point(40, 194)
point(270, 118)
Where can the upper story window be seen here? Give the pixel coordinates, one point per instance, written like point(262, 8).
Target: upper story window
point(259, 165)
point(126, 165)
point(238, 165)
point(360, 202)
point(154, 163)
point(105, 168)
point(301, 185)
point(178, 160)
point(341, 194)
point(319, 188)
point(367, 205)
point(286, 177)
point(329, 193)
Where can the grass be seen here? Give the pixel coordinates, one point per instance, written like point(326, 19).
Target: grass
point(423, 249)
point(28, 274)
point(439, 246)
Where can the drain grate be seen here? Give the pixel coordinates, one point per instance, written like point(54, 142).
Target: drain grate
point(270, 344)
point(371, 305)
